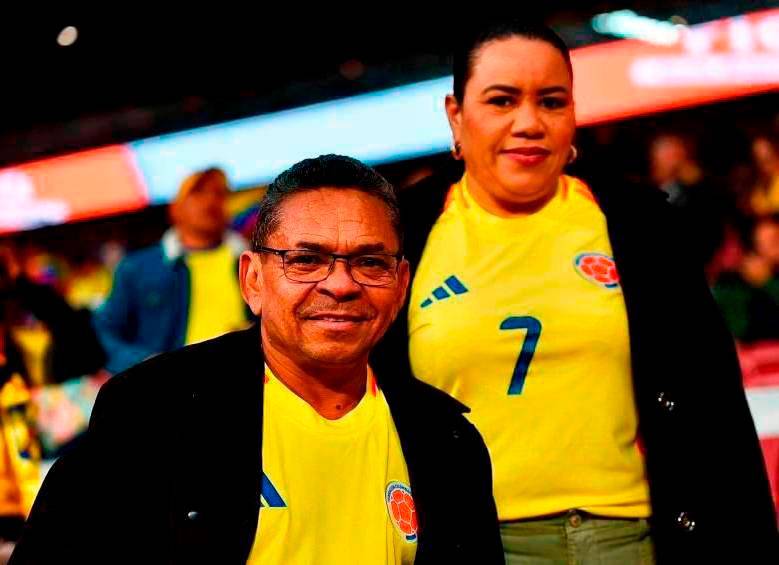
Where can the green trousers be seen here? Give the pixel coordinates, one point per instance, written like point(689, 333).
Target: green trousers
point(577, 538)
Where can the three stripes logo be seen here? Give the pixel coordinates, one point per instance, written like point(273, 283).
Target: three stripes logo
point(269, 496)
point(452, 285)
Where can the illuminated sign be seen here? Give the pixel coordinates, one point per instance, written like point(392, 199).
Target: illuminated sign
point(84, 185)
point(713, 61)
point(626, 23)
point(389, 125)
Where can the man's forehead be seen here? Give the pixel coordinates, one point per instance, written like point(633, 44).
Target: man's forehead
point(328, 195)
point(339, 213)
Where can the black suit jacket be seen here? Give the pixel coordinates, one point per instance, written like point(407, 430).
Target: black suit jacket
point(170, 469)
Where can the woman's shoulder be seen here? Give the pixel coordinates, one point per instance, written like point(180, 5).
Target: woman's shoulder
point(624, 194)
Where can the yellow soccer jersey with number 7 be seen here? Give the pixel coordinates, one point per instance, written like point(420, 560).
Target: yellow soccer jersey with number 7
point(523, 319)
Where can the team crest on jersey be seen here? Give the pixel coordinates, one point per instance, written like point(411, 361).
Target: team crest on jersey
point(598, 268)
point(401, 509)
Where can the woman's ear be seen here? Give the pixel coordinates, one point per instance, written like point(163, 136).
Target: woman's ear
point(454, 115)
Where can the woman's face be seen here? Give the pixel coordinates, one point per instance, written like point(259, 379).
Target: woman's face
point(515, 123)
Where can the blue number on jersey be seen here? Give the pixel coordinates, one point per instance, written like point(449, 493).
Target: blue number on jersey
point(533, 327)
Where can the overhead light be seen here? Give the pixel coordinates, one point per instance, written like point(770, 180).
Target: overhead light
point(67, 36)
point(628, 24)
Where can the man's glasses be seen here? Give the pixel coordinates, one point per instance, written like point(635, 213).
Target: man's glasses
point(370, 269)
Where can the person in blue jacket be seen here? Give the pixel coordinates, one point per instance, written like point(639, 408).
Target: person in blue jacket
point(181, 290)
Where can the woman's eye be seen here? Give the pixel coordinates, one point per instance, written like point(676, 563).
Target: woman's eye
point(500, 101)
point(553, 102)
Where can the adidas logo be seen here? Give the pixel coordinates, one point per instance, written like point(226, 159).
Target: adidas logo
point(269, 496)
point(442, 292)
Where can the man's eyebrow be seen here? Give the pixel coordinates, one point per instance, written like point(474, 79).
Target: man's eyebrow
point(377, 247)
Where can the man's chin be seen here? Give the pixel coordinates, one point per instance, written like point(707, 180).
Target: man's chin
point(334, 355)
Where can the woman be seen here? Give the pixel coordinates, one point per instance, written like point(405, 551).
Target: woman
point(517, 310)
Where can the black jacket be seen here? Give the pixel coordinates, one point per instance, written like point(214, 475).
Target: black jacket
point(170, 469)
point(708, 484)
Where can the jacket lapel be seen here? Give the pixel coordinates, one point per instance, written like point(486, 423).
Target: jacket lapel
point(225, 445)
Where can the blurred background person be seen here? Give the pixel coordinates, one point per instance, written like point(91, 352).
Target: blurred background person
point(54, 341)
point(747, 290)
point(42, 341)
point(19, 455)
point(765, 195)
point(90, 277)
point(675, 170)
point(181, 290)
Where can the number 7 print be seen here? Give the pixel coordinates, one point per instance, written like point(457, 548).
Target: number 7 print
point(533, 327)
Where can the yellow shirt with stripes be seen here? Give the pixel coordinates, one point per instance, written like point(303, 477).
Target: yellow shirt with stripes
point(215, 303)
point(333, 491)
point(523, 320)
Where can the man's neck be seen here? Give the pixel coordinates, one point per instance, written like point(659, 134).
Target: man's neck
point(332, 392)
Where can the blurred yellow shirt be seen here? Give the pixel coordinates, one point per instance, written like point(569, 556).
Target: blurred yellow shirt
point(215, 303)
point(19, 451)
point(766, 201)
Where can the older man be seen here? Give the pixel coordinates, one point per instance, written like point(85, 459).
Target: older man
point(280, 445)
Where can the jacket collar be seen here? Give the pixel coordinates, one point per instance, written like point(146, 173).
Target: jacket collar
point(173, 248)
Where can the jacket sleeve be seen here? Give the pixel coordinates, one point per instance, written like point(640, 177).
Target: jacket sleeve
point(484, 524)
point(114, 323)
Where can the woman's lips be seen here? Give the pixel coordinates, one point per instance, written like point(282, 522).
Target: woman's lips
point(527, 156)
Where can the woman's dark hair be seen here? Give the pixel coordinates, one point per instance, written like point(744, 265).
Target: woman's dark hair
point(472, 38)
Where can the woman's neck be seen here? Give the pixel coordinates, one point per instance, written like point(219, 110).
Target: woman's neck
point(505, 208)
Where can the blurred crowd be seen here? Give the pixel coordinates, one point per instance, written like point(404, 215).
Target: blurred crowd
point(732, 225)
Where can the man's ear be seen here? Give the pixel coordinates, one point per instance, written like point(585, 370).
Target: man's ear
point(404, 278)
point(250, 278)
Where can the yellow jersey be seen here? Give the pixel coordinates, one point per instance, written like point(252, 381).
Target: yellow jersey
point(333, 491)
point(523, 320)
